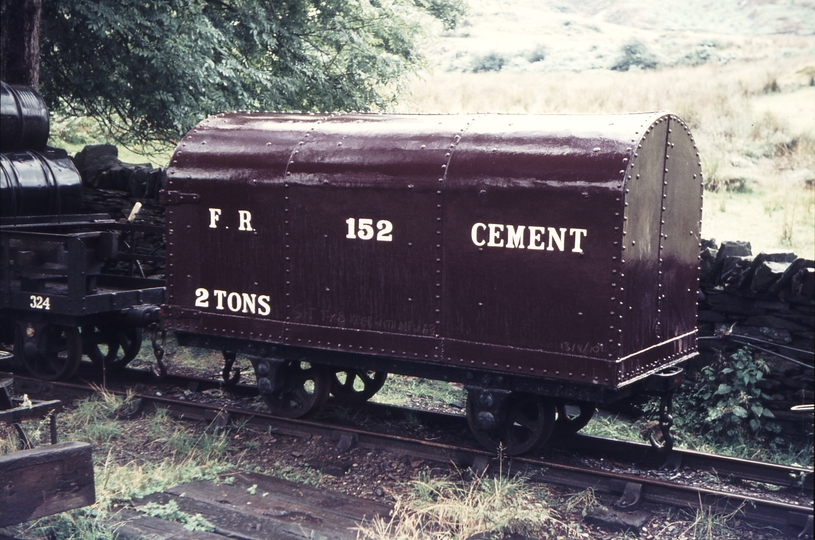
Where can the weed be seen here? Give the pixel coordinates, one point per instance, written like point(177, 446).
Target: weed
point(708, 524)
point(455, 508)
point(403, 390)
point(95, 419)
point(302, 473)
point(584, 501)
point(171, 512)
point(727, 404)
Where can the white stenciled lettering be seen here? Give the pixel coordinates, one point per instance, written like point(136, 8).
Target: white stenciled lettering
point(248, 302)
point(233, 301)
point(219, 295)
point(243, 302)
point(537, 238)
point(385, 229)
point(214, 216)
point(495, 234)
point(515, 237)
point(474, 234)
point(201, 298)
point(556, 239)
point(263, 305)
point(363, 229)
point(577, 233)
point(39, 302)
point(245, 220)
point(366, 230)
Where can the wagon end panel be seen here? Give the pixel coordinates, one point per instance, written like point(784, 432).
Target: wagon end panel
point(682, 238)
point(637, 290)
point(663, 211)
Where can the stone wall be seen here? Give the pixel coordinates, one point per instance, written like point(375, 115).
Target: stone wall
point(767, 301)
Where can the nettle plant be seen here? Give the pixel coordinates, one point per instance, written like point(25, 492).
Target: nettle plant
point(727, 401)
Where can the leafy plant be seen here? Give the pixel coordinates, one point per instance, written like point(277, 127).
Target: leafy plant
point(171, 512)
point(727, 402)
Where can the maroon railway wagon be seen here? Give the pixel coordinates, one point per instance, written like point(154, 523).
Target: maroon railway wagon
point(548, 263)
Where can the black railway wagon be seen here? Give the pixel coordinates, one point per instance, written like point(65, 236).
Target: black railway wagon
point(541, 261)
point(59, 296)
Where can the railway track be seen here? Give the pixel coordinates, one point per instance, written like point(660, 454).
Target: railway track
point(763, 493)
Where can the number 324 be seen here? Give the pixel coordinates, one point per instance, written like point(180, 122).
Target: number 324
point(39, 302)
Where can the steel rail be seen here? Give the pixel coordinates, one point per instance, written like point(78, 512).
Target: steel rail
point(791, 518)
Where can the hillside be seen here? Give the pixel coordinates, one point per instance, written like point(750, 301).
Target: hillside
point(557, 35)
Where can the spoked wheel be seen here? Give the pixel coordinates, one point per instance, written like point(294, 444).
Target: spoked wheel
point(527, 424)
point(111, 346)
point(356, 385)
point(53, 354)
point(572, 417)
point(302, 390)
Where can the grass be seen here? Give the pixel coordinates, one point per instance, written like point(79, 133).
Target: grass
point(460, 508)
point(403, 391)
point(131, 459)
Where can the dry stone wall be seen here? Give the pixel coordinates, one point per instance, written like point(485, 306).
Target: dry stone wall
point(767, 300)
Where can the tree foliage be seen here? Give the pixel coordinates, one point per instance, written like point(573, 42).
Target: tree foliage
point(148, 70)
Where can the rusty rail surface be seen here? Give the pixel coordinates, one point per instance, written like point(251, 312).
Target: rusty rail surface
point(633, 488)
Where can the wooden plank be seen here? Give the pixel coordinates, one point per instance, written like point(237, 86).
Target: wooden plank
point(354, 508)
point(44, 481)
point(256, 506)
point(132, 525)
point(38, 409)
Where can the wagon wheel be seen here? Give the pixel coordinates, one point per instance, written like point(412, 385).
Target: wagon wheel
point(527, 424)
point(303, 389)
point(54, 354)
point(111, 346)
point(572, 417)
point(356, 385)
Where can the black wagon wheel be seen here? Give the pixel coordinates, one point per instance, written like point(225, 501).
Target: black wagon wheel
point(301, 391)
point(527, 424)
point(53, 354)
point(572, 417)
point(111, 346)
point(356, 385)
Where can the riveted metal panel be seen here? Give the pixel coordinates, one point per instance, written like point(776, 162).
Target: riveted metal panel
point(681, 241)
point(634, 304)
point(554, 178)
point(236, 165)
point(522, 245)
point(364, 232)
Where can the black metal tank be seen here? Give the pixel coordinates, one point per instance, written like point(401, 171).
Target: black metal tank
point(36, 183)
point(24, 115)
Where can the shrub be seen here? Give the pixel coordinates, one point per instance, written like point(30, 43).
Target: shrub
point(489, 62)
point(635, 54)
point(536, 54)
point(726, 402)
